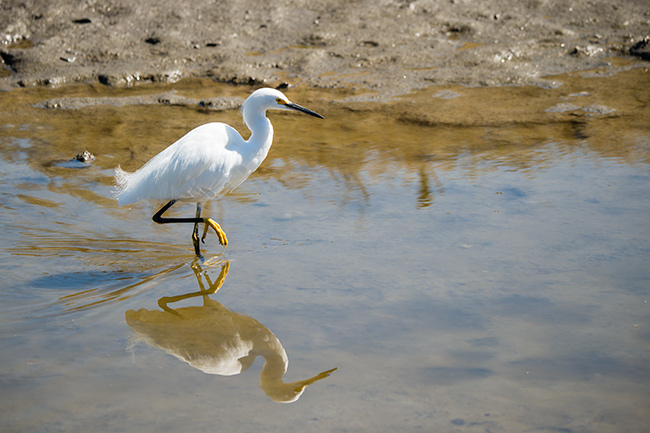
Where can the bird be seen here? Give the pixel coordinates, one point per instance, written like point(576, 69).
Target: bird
point(210, 160)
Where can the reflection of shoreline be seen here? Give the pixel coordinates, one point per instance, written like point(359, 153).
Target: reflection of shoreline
point(216, 340)
point(505, 125)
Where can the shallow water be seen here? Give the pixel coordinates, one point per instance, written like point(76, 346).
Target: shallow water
point(488, 276)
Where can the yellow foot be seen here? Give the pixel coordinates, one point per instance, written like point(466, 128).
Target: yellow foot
point(223, 240)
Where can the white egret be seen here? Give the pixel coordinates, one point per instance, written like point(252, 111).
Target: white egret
point(210, 160)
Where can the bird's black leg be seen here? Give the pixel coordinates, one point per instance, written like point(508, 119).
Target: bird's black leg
point(158, 218)
point(195, 232)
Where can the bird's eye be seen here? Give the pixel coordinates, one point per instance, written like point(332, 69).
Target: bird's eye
point(281, 101)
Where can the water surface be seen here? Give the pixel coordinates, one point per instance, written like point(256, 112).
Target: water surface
point(460, 275)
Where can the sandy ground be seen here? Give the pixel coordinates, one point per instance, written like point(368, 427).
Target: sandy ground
point(389, 46)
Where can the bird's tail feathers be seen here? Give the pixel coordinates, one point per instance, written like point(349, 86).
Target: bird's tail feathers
point(121, 181)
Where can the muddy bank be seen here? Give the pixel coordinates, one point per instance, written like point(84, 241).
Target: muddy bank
point(388, 47)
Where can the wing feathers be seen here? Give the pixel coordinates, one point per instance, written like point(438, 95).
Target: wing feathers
point(197, 166)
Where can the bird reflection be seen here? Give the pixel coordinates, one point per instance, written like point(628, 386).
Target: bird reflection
point(217, 340)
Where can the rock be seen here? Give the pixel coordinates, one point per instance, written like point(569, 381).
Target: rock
point(641, 49)
point(587, 50)
point(563, 107)
point(84, 159)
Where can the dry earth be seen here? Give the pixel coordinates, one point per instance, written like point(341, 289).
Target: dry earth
point(387, 46)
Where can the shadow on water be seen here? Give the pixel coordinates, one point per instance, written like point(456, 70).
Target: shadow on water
point(215, 339)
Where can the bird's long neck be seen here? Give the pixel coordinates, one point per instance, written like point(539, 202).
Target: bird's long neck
point(261, 135)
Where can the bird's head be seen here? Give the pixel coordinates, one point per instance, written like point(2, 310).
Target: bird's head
point(268, 99)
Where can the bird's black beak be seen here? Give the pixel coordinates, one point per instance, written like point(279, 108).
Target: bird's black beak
point(302, 109)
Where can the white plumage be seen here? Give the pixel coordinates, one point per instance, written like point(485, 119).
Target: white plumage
point(210, 160)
